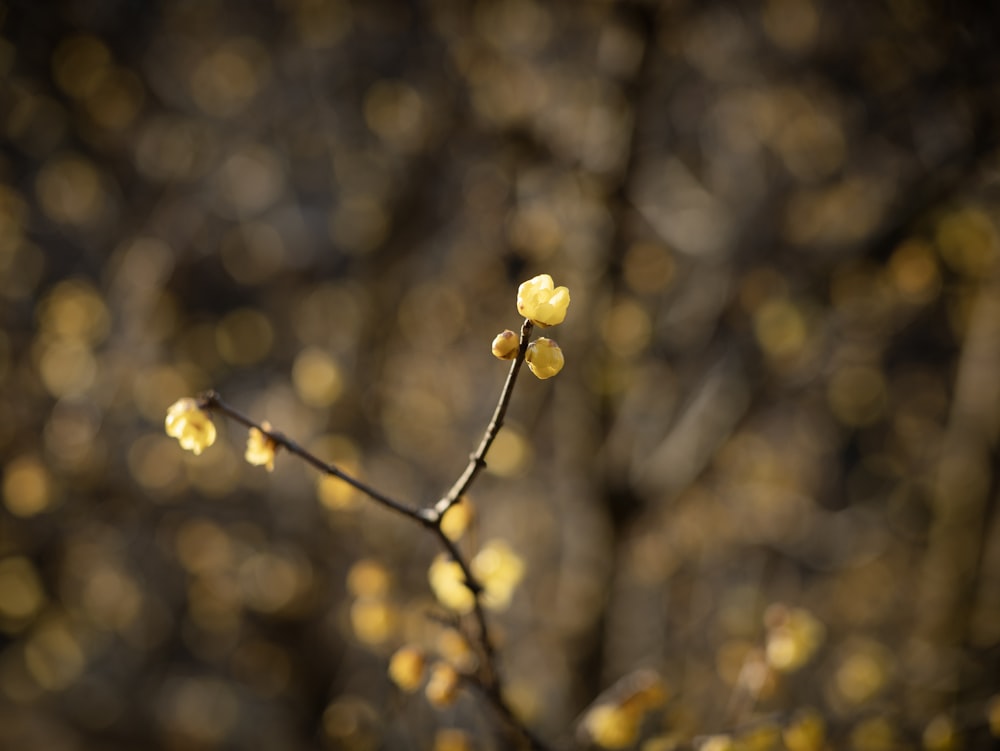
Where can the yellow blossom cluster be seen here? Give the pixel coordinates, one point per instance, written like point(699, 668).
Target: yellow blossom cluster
point(193, 428)
point(438, 669)
point(408, 667)
point(497, 568)
point(544, 304)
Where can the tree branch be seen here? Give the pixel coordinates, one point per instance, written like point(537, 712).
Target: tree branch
point(211, 401)
point(477, 461)
point(488, 681)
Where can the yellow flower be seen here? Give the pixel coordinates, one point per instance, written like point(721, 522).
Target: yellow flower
point(611, 726)
point(406, 668)
point(190, 425)
point(448, 583)
point(457, 519)
point(542, 302)
point(505, 345)
point(499, 569)
point(442, 687)
point(544, 358)
point(261, 447)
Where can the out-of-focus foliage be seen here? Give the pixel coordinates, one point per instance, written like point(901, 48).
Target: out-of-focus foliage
point(767, 472)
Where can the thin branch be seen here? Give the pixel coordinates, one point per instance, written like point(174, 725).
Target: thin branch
point(489, 685)
point(534, 742)
point(477, 462)
point(488, 682)
point(212, 401)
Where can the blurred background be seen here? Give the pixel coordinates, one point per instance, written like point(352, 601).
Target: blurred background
point(768, 472)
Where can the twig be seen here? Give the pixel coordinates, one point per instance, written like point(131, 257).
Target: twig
point(477, 461)
point(534, 742)
point(212, 401)
point(488, 682)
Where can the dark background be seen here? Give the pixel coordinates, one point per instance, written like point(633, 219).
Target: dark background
point(778, 223)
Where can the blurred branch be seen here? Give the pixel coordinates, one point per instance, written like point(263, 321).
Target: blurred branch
point(962, 485)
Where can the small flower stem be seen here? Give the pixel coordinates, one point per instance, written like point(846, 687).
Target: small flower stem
point(212, 401)
point(477, 461)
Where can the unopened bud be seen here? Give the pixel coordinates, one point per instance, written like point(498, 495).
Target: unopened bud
point(505, 345)
point(544, 358)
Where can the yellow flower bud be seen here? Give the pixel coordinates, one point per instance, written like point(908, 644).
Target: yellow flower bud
point(406, 668)
point(610, 726)
point(442, 687)
point(448, 583)
point(457, 519)
point(505, 345)
point(542, 302)
point(260, 448)
point(499, 569)
point(190, 425)
point(544, 358)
